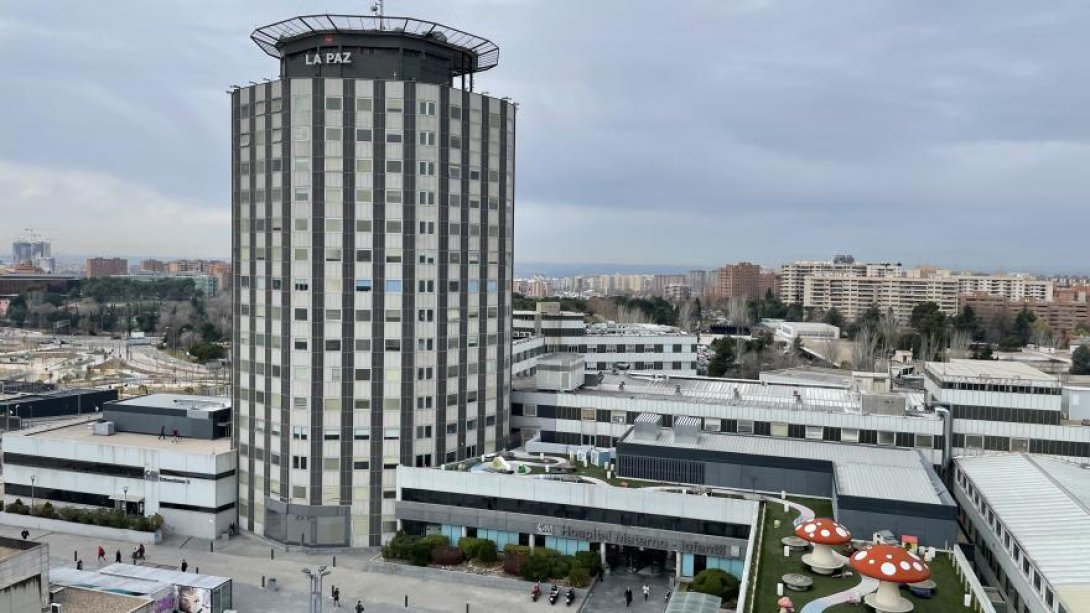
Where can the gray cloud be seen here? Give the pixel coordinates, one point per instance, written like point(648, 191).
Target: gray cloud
point(690, 132)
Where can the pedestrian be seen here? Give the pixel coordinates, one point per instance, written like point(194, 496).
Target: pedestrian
point(25, 534)
point(162, 433)
point(185, 565)
point(79, 564)
point(101, 555)
point(117, 558)
point(627, 597)
point(646, 591)
point(176, 437)
point(359, 606)
point(332, 590)
point(336, 596)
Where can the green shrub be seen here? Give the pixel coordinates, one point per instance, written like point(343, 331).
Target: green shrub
point(579, 576)
point(399, 547)
point(17, 507)
point(590, 560)
point(486, 552)
point(469, 546)
point(419, 553)
point(716, 582)
point(47, 511)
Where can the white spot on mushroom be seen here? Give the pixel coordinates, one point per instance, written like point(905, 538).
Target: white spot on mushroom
point(842, 532)
point(810, 528)
point(825, 533)
point(860, 556)
point(888, 569)
point(917, 566)
point(889, 556)
point(904, 565)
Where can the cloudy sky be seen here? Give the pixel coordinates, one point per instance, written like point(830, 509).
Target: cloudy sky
point(684, 132)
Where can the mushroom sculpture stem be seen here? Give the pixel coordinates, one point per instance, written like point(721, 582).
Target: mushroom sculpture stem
point(823, 534)
point(891, 566)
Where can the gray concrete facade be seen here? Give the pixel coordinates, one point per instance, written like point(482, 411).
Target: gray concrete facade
point(372, 225)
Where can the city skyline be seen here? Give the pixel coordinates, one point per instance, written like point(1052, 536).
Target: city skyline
point(962, 117)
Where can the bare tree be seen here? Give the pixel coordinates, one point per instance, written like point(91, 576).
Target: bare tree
point(889, 329)
point(865, 349)
point(959, 344)
point(738, 313)
point(685, 314)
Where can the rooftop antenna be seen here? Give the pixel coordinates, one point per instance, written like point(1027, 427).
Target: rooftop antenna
point(378, 10)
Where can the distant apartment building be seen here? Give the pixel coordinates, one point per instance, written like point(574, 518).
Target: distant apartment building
point(852, 295)
point(33, 254)
point(793, 276)
point(1072, 293)
point(677, 292)
point(739, 280)
point(697, 280)
point(1062, 318)
point(659, 283)
point(153, 266)
point(106, 267)
point(1011, 287)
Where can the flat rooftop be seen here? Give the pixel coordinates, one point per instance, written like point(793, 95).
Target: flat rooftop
point(865, 472)
point(561, 360)
point(80, 431)
point(1045, 505)
point(178, 401)
point(727, 392)
point(988, 369)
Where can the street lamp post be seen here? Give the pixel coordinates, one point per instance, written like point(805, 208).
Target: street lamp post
point(125, 501)
point(33, 481)
point(316, 587)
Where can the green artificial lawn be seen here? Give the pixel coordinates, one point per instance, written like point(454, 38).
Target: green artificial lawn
point(773, 566)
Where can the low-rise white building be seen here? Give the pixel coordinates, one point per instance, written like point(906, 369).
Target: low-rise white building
point(788, 331)
point(1029, 518)
point(607, 345)
point(86, 462)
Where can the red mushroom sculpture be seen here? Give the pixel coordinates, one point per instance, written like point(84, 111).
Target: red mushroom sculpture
point(891, 566)
point(824, 534)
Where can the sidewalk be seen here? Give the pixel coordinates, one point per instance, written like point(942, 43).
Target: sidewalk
point(247, 560)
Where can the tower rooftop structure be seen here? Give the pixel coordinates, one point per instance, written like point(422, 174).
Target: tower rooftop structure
point(375, 47)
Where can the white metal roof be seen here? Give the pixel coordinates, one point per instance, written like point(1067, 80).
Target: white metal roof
point(733, 392)
point(987, 369)
point(1045, 505)
point(866, 472)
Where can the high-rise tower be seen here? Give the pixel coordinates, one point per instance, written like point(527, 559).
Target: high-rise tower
point(373, 196)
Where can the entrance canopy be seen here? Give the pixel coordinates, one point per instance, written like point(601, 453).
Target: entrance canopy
point(693, 602)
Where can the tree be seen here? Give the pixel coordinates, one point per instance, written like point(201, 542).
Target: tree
point(833, 318)
point(1080, 360)
point(928, 319)
point(1023, 325)
point(968, 321)
point(723, 358)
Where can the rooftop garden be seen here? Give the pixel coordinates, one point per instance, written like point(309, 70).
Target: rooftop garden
point(771, 566)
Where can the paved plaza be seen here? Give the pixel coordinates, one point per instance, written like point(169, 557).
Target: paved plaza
point(246, 560)
point(608, 596)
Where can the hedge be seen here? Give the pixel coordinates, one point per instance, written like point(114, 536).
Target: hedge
point(111, 518)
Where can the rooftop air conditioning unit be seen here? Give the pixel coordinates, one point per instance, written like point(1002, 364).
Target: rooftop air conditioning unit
point(56, 607)
point(104, 428)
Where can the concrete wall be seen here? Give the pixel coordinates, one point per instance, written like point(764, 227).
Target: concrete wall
point(769, 479)
point(67, 527)
point(932, 532)
point(22, 597)
point(24, 576)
